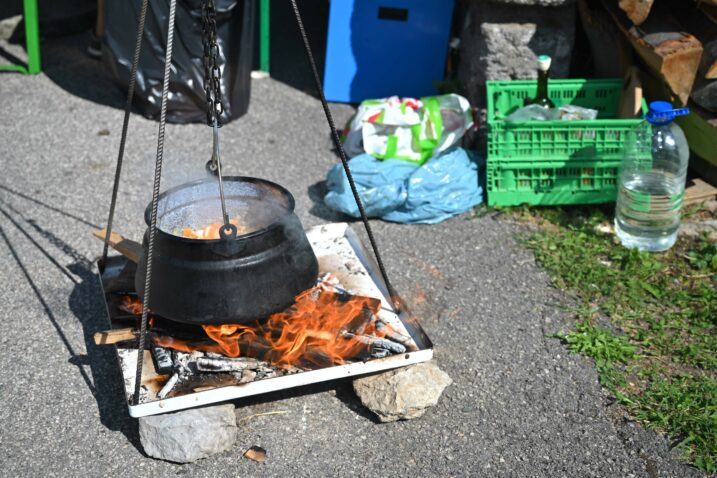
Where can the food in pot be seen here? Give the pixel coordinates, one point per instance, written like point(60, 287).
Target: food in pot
point(211, 231)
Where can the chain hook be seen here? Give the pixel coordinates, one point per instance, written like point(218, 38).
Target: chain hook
point(212, 165)
point(216, 164)
point(215, 107)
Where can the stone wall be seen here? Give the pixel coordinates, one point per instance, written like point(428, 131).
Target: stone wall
point(501, 40)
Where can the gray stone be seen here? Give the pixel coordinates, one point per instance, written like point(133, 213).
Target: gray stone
point(503, 41)
point(189, 435)
point(710, 205)
point(403, 393)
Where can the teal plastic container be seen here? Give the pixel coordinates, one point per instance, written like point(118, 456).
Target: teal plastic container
point(555, 162)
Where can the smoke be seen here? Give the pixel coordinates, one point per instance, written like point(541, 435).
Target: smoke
point(197, 204)
point(302, 256)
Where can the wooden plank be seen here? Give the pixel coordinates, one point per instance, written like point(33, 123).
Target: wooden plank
point(698, 126)
point(107, 337)
point(659, 41)
point(699, 192)
point(706, 170)
point(636, 10)
point(130, 249)
point(711, 70)
point(700, 133)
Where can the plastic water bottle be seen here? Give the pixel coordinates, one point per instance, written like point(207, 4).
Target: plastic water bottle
point(652, 181)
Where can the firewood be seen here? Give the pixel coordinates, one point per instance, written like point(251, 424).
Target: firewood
point(377, 342)
point(636, 10)
point(704, 28)
point(207, 364)
point(163, 362)
point(671, 53)
point(699, 192)
point(391, 334)
point(108, 337)
point(130, 249)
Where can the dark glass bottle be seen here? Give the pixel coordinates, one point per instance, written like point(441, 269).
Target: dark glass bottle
point(541, 98)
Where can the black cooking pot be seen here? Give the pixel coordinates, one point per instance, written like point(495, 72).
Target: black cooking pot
point(227, 281)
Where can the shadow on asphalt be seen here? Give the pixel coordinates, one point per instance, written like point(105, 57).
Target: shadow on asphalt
point(342, 390)
point(66, 63)
point(316, 193)
point(103, 379)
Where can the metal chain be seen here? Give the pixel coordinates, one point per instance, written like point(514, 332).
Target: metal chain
point(397, 303)
point(212, 74)
point(215, 107)
point(155, 201)
point(125, 125)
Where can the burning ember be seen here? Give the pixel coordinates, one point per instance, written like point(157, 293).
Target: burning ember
point(131, 305)
point(322, 328)
point(209, 232)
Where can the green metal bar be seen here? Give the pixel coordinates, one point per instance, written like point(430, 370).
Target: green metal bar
point(18, 68)
point(32, 36)
point(264, 36)
point(32, 41)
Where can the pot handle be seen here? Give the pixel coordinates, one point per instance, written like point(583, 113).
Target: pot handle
point(228, 231)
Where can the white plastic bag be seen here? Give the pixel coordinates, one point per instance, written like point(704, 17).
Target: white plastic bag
point(409, 129)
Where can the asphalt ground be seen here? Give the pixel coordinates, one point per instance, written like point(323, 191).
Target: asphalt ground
point(519, 406)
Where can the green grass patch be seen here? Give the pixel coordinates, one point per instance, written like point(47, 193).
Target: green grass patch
point(660, 357)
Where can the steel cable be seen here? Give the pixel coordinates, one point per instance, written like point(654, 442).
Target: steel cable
point(125, 126)
point(155, 201)
point(344, 160)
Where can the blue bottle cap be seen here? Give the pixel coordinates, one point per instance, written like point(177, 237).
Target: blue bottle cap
point(661, 112)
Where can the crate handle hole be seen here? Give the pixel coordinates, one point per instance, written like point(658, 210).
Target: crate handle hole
point(393, 14)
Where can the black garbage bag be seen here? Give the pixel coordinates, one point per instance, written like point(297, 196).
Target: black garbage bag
point(187, 101)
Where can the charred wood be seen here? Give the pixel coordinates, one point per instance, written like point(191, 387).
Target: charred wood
point(377, 342)
point(210, 364)
point(392, 334)
point(162, 357)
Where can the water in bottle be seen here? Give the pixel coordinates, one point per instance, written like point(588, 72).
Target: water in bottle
point(652, 181)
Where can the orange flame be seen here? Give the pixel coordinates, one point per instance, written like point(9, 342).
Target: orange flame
point(184, 346)
point(322, 328)
point(319, 329)
point(131, 305)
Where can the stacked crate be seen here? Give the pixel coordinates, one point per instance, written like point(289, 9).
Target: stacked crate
point(555, 162)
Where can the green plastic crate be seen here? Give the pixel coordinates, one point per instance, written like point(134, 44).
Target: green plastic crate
point(555, 162)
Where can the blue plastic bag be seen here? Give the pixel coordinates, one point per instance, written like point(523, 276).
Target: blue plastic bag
point(400, 191)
